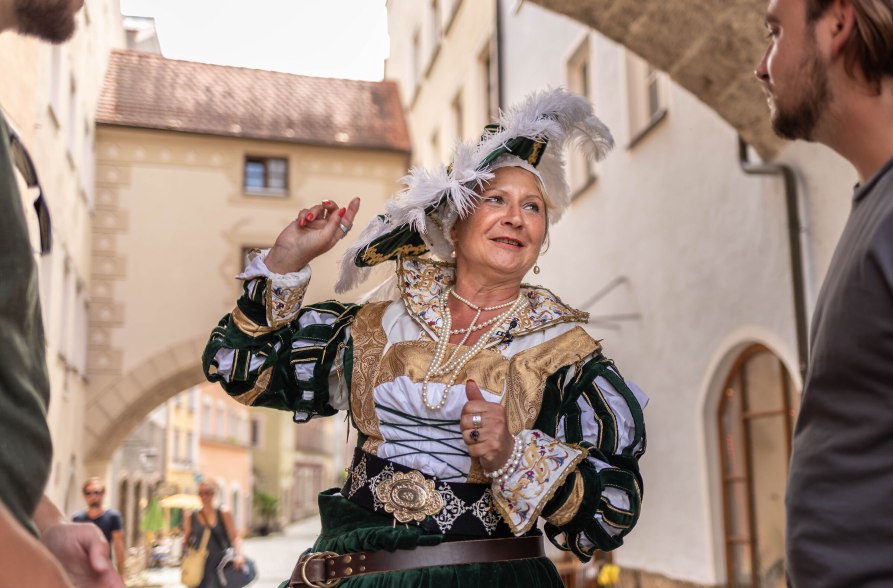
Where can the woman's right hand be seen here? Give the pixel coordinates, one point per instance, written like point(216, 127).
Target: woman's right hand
point(315, 231)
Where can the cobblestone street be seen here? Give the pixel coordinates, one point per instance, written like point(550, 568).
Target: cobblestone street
point(275, 556)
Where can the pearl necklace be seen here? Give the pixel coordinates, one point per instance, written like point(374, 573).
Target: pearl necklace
point(478, 309)
point(454, 364)
point(474, 306)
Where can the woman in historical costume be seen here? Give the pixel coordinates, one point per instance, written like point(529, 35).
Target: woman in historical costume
point(481, 404)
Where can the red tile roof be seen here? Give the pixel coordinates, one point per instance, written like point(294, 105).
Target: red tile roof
point(149, 91)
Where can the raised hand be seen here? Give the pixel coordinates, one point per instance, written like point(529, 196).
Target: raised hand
point(493, 443)
point(315, 231)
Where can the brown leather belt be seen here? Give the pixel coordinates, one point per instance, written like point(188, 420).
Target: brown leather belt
point(326, 568)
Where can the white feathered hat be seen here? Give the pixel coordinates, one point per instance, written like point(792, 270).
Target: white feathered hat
point(532, 135)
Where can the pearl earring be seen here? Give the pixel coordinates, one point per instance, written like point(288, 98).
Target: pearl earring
point(536, 269)
point(453, 254)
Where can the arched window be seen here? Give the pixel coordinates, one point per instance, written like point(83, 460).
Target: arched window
point(756, 420)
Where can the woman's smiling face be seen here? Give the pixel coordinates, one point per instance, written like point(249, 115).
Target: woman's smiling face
point(503, 236)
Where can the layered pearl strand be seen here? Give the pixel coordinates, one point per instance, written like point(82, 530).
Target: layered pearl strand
point(440, 365)
point(502, 475)
point(478, 309)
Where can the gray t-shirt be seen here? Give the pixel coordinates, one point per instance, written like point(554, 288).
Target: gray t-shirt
point(840, 491)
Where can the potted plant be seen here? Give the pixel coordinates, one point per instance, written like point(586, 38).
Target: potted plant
point(268, 508)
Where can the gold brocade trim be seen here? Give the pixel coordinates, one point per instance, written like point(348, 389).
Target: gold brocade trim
point(412, 359)
point(369, 340)
point(534, 153)
point(248, 326)
point(372, 257)
point(260, 384)
point(529, 370)
point(569, 509)
point(372, 444)
point(476, 473)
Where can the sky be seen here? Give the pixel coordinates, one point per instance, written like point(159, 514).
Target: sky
point(329, 38)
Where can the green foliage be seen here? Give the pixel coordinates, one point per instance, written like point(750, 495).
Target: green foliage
point(267, 506)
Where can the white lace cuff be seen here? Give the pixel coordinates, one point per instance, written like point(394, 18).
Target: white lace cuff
point(545, 464)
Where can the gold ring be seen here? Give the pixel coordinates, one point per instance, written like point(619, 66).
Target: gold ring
point(318, 555)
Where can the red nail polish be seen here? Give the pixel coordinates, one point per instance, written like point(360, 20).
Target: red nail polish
point(342, 211)
point(301, 223)
point(309, 216)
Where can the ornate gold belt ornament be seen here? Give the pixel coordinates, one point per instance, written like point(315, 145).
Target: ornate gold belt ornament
point(409, 496)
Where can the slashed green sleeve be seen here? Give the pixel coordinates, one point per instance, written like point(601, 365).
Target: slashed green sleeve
point(592, 407)
point(281, 357)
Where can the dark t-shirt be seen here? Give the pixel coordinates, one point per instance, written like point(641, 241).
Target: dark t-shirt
point(108, 521)
point(840, 492)
point(25, 447)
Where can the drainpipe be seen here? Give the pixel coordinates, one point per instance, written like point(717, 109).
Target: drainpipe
point(794, 226)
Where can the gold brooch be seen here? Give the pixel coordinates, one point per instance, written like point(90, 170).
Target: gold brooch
point(409, 496)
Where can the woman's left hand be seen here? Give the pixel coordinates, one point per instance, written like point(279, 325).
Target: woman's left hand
point(239, 562)
point(494, 442)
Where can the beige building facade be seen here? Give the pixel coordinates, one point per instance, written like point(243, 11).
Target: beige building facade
point(224, 451)
point(181, 455)
point(682, 257)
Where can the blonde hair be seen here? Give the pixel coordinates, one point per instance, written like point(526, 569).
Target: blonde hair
point(91, 481)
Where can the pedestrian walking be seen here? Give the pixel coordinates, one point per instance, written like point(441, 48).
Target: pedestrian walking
point(107, 519)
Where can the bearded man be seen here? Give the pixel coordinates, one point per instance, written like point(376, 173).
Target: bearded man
point(828, 74)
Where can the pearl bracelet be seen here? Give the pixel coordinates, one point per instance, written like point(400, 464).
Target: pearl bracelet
point(508, 468)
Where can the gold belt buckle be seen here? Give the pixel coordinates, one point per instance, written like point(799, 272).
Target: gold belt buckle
point(308, 559)
point(409, 496)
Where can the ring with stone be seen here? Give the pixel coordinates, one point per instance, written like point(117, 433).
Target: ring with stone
point(343, 228)
point(475, 435)
point(476, 420)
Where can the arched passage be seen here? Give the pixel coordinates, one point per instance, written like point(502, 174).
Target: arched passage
point(709, 47)
point(113, 412)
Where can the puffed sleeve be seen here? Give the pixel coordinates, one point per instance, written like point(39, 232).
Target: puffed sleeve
point(274, 351)
point(579, 467)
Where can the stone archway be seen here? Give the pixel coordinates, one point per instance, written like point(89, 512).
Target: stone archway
point(709, 47)
point(113, 412)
